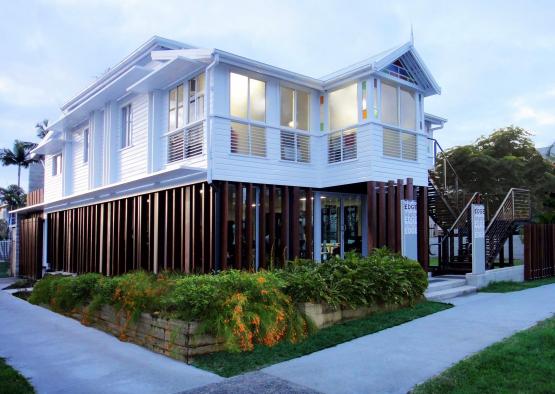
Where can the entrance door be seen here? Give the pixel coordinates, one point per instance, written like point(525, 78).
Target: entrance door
point(341, 223)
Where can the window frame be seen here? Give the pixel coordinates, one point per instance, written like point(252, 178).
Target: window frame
point(358, 105)
point(295, 90)
point(126, 126)
point(86, 145)
point(398, 87)
point(56, 164)
point(249, 117)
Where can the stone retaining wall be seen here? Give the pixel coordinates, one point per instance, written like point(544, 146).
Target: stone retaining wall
point(173, 338)
point(324, 315)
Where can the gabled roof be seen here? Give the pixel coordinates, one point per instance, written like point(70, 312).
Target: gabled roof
point(406, 52)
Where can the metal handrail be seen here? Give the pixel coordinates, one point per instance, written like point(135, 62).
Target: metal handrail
point(510, 194)
point(466, 207)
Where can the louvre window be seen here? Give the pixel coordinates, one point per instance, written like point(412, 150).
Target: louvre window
point(400, 145)
point(342, 145)
point(247, 139)
point(185, 144)
point(295, 147)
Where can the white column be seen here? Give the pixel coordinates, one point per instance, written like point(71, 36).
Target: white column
point(67, 160)
point(96, 159)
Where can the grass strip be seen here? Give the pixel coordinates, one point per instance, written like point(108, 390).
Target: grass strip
point(507, 287)
point(229, 364)
point(522, 363)
point(12, 382)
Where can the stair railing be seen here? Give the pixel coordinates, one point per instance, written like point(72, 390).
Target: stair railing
point(515, 207)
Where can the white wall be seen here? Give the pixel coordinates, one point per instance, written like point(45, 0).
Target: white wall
point(52, 184)
point(132, 161)
point(80, 173)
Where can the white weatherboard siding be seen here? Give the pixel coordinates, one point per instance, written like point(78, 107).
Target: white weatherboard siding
point(80, 173)
point(132, 161)
point(52, 184)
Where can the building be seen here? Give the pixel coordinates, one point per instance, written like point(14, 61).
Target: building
point(154, 164)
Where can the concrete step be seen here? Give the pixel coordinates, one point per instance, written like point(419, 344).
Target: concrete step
point(446, 294)
point(437, 284)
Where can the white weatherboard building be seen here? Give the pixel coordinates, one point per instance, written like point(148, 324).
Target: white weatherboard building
point(156, 163)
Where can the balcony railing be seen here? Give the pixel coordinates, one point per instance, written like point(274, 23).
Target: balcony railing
point(186, 143)
point(35, 197)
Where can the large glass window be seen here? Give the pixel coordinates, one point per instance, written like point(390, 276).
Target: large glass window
point(408, 109)
point(390, 109)
point(343, 108)
point(57, 164)
point(294, 108)
point(398, 106)
point(247, 97)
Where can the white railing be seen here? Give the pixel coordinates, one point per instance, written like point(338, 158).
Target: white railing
point(295, 146)
point(186, 143)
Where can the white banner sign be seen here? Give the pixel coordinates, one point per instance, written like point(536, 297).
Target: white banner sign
point(409, 217)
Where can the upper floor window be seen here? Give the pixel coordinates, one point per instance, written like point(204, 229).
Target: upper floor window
point(398, 70)
point(398, 106)
point(57, 164)
point(401, 145)
point(86, 146)
point(175, 113)
point(247, 97)
point(196, 98)
point(343, 107)
point(126, 126)
point(294, 108)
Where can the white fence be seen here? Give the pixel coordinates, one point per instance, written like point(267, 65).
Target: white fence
point(5, 250)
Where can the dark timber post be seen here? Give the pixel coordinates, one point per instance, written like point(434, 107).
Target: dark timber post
point(262, 227)
point(295, 213)
point(248, 228)
point(381, 215)
point(284, 250)
point(391, 223)
point(372, 215)
point(224, 198)
point(399, 195)
point(511, 250)
point(238, 224)
point(272, 222)
point(308, 224)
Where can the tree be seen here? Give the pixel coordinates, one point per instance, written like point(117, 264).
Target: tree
point(4, 229)
point(13, 195)
point(42, 128)
point(20, 156)
point(505, 159)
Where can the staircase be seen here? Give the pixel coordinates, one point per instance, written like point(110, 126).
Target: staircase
point(442, 288)
point(514, 209)
point(449, 207)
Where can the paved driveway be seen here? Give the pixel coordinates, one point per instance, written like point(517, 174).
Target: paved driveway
point(60, 355)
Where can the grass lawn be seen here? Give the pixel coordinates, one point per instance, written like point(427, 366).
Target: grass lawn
point(506, 287)
point(523, 363)
point(4, 269)
point(230, 364)
point(11, 382)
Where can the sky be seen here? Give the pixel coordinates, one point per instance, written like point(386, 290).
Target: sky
point(494, 60)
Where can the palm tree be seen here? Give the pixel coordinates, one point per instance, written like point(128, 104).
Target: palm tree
point(20, 156)
point(13, 195)
point(42, 128)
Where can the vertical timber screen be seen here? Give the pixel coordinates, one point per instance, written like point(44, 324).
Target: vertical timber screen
point(165, 230)
point(30, 247)
point(539, 251)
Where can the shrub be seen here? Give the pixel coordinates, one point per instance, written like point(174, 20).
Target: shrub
point(383, 277)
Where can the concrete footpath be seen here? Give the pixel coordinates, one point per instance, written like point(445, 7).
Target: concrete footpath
point(60, 355)
point(396, 359)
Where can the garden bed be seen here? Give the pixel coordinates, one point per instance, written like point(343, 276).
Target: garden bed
point(184, 316)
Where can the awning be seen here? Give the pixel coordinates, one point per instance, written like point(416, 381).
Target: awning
point(116, 89)
point(173, 70)
point(50, 144)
